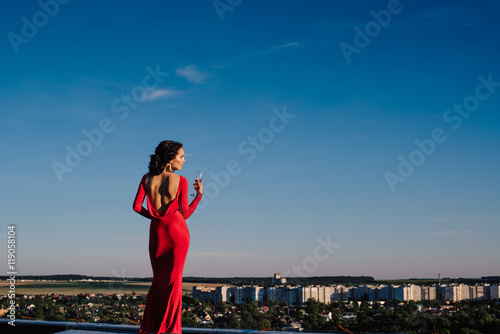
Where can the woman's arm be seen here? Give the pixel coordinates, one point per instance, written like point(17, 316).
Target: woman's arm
point(139, 199)
point(185, 209)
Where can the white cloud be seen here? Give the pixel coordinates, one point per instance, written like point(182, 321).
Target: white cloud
point(192, 74)
point(159, 93)
point(274, 49)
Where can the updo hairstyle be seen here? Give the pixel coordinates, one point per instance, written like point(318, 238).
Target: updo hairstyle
point(164, 153)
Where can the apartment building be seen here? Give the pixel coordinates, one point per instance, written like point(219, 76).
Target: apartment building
point(298, 295)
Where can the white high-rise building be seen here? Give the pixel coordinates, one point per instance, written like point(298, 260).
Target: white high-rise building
point(205, 294)
point(440, 290)
point(276, 294)
point(463, 292)
point(325, 294)
point(428, 293)
point(397, 293)
point(223, 293)
point(322, 294)
point(365, 291)
point(277, 279)
point(451, 292)
point(256, 293)
point(494, 292)
point(406, 292)
point(487, 295)
point(337, 293)
point(305, 293)
point(413, 292)
point(245, 294)
point(292, 295)
point(479, 292)
point(383, 292)
point(238, 294)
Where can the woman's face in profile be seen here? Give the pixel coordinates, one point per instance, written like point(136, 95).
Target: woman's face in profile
point(179, 160)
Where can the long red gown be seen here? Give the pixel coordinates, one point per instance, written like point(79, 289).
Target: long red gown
point(168, 247)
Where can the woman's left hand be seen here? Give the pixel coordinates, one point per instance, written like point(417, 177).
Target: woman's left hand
point(198, 186)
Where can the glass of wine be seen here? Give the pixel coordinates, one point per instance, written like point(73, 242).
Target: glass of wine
point(199, 176)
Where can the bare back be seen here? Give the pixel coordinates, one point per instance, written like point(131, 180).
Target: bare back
point(162, 189)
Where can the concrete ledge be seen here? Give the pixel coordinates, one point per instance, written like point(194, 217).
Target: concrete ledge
point(71, 327)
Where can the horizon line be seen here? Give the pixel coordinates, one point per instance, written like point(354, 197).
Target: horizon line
point(270, 277)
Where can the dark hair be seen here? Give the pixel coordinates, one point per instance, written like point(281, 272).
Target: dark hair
point(164, 153)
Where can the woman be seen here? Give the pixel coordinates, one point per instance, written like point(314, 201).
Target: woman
point(167, 206)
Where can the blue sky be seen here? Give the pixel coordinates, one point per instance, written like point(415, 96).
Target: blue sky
point(310, 152)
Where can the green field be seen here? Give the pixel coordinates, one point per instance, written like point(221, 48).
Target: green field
point(72, 288)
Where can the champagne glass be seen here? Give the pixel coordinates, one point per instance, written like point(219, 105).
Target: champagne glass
point(199, 176)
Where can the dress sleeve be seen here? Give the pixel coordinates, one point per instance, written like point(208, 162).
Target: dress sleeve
point(185, 209)
point(139, 199)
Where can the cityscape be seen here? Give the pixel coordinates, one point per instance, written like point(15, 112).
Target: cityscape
point(277, 305)
point(299, 295)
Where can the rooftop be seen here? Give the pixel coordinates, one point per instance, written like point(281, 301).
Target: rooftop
point(23, 326)
point(67, 327)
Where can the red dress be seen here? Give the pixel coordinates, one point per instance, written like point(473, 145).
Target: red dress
point(168, 247)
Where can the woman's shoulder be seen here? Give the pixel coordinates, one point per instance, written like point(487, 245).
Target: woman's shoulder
point(148, 177)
